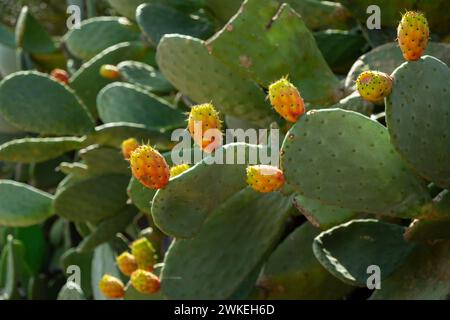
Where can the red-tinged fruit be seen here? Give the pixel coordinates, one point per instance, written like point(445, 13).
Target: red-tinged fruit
point(60, 75)
point(412, 34)
point(128, 146)
point(286, 100)
point(111, 287)
point(109, 71)
point(179, 169)
point(264, 178)
point(145, 282)
point(374, 86)
point(127, 263)
point(149, 167)
point(204, 125)
point(144, 253)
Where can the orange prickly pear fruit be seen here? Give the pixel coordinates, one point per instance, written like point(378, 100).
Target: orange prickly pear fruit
point(144, 253)
point(149, 167)
point(111, 287)
point(60, 75)
point(128, 146)
point(127, 263)
point(204, 125)
point(109, 71)
point(286, 100)
point(264, 178)
point(412, 34)
point(179, 169)
point(374, 86)
point(145, 282)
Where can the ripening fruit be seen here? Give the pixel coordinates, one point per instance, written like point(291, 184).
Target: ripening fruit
point(60, 75)
point(374, 85)
point(111, 287)
point(109, 71)
point(202, 118)
point(179, 169)
point(412, 34)
point(264, 178)
point(128, 146)
point(145, 282)
point(144, 253)
point(286, 100)
point(149, 167)
point(127, 263)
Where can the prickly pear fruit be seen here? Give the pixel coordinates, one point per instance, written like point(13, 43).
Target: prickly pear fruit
point(412, 34)
point(145, 281)
point(60, 75)
point(264, 178)
point(111, 287)
point(179, 169)
point(286, 100)
point(374, 85)
point(149, 167)
point(127, 263)
point(109, 71)
point(128, 146)
point(144, 253)
point(204, 125)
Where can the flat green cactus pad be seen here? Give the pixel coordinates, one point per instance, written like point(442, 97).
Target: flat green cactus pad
point(16, 212)
point(249, 41)
point(57, 112)
point(31, 35)
point(144, 75)
point(84, 262)
point(320, 215)
point(348, 250)
point(418, 117)
point(32, 150)
point(181, 208)
point(87, 81)
point(141, 196)
point(114, 133)
point(156, 20)
point(234, 240)
point(98, 34)
point(345, 159)
point(425, 275)
point(122, 102)
point(293, 272)
point(386, 58)
point(186, 63)
point(104, 160)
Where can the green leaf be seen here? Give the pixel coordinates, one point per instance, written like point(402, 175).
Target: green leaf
point(98, 34)
point(32, 150)
point(141, 196)
point(347, 251)
point(91, 199)
point(71, 291)
point(57, 112)
point(35, 246)
point(144, 75)
point(121, 102)
point(103, 262)
point(22, 205)
point(104, 160)
point(31, 36)
point(156, 20)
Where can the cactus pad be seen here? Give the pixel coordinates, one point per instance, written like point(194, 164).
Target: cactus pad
point(345, 159)
point(418, 117)
point(144, 75)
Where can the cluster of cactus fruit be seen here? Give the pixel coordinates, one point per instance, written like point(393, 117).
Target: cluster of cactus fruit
point(362, 177)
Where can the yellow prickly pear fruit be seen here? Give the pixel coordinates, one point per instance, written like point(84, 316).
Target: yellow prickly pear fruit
point(145, 282)
point(412, 35)
point(127, 263)
point(144, 253)
point(264, 178)
point(149, 167)
point(374, 86)
point(111, 287)
point(204, 125)
point(286, 100)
